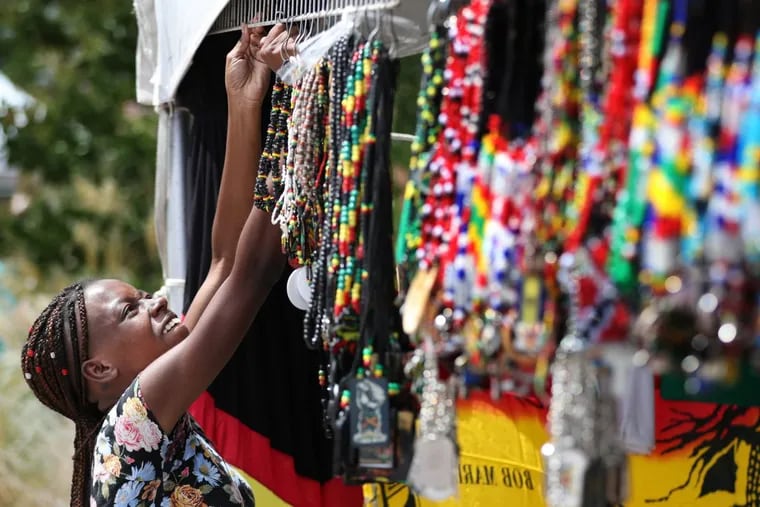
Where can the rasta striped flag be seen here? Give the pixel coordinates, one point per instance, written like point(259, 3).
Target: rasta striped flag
point(499, 462)
point(707, 455)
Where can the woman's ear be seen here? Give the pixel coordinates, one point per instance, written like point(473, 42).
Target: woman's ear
point(99, 372)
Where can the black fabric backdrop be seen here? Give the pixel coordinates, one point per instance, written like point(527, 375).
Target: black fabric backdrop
point(270, 384)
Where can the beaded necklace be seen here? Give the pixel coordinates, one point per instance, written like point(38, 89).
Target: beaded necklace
point(519, 289)
point(623, 48)
point(630, 209)
point(724, 210)
point(458, 263)
point(724, 250)
point(426, 134)
point(318, 330)
point(556, 128)
point(299, 208)
point(436, 212)
point(702, 128)
point(605, 124)
point(379, 324)
point(605, 121)
point(749, 169)
point(667, 178)
point(590, 172)
point(366, 321)
point(285, 210)
point(274, 150)
point(353, 184)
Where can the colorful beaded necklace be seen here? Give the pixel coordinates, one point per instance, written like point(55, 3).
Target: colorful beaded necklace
point(426, 134)
point(457, 262)
point(299, 208)
point(630, 209)
point(274, 150)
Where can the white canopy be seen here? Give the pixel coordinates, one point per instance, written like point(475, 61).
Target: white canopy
point(170, 31)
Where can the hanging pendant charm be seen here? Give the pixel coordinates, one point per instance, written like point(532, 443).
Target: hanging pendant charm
point(370, 409)
point(434, 470)
point(573, 427)
point(299, 289)
point(568, 468)
point(433, 473)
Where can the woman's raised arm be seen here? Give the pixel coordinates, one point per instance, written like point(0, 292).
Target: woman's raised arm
point(246, 90)
point(218, 323)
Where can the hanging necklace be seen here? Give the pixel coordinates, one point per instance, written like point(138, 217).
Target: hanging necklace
point(557, 126)
point(299, 209)
point(458, 264)
point(274, 151)
point(436, 212)
point(749, 168)
point(702, 129)
point(427, 132)
point(631, 206)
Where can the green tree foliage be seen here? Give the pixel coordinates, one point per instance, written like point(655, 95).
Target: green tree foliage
point(405, 115)
point(88, 154)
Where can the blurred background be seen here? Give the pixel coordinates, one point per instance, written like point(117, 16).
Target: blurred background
point(76, 182)
point(77, 159)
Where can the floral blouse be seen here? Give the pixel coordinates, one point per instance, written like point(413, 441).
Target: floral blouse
point(137, 465)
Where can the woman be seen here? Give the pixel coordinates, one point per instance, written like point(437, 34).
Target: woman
point(125, 369)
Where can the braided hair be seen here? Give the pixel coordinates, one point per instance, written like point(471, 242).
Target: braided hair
point(53, 371)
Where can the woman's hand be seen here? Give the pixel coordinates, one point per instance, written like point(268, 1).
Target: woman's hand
point(247, 76)
point(277, 46)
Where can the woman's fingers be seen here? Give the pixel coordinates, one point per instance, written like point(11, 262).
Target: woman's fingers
point(241, 48)
point(256, 36)
point(278, 46)
point(276, 30)
point(258, 31)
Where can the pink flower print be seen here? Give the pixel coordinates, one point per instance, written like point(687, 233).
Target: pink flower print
point(185, 472)
point(128, 434)
point(151, 435)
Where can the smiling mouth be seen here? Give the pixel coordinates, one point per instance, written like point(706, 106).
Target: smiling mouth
point(170, 325)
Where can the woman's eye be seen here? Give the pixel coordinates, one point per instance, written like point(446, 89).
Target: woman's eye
point(129, 310)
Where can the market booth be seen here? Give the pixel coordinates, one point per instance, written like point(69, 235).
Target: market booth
point(563, 311)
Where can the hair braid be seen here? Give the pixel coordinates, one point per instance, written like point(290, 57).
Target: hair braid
point(56, 379)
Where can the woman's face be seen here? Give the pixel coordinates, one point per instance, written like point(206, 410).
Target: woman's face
point(127, 328)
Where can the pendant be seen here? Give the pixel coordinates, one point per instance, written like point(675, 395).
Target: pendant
point(378, 457)
point(299, 289)
point(417, 299)
point(490, 339)
point(433, 473)
point(529, 332)
point(370, 409)
point(568, 477)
